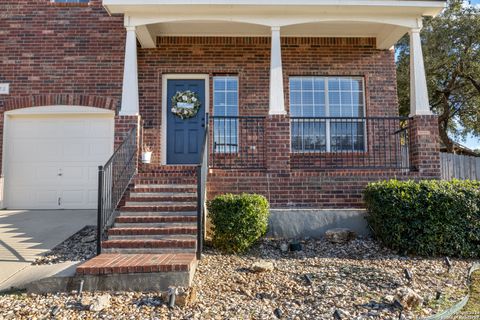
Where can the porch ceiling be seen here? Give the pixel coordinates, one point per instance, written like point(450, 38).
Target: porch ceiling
point(387, 21)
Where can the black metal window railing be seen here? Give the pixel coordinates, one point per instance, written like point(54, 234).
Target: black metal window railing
point(113, 180)
point(350, 142)
point(238, 142)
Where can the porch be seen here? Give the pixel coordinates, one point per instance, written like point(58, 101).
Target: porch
point(328, 125)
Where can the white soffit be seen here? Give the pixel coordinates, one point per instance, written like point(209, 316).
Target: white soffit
point(387, 21)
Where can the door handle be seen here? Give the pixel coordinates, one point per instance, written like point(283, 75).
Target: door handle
point(60, 172)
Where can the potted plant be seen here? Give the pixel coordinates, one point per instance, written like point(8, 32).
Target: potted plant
point(146, 154)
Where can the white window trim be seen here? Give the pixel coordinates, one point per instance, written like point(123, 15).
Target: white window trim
point(238, 115)
point(327, 114)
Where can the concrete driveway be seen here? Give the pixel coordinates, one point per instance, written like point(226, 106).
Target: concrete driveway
point(26, 234)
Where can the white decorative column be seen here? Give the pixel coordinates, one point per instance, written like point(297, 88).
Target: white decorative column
point(277, 103)
point(130, 76)
point(419, 104)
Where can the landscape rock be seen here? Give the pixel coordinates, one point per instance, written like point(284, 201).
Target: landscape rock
point(356, 277)
point(340, 235)
point(100, 302)
point(262, 266)
point(185, 296)
point(408, 298)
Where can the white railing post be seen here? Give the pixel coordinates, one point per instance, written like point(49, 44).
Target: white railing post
point(419, 104)
point(130, 76)
point(277, 103)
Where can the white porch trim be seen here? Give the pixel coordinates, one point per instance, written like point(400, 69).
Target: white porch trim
point(277, 97)
point(386, 20)
point(130, 104)
point(165, 108)
point(419, 104)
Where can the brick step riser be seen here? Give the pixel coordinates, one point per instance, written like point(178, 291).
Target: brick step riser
point(148, 237)
point(163, 190)
point(146, 203)
point(131, 199)
point(147, 219)
point(126, 213)
point(148, 250)
point(173, 209)
point(154, 224)
point(153, 169)
point(174, 194)
point(135, 244)
point(151, 231)
point(167, 179)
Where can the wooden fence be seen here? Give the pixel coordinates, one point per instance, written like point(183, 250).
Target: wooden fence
point(459, 167)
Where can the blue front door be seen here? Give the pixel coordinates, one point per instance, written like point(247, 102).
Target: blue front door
point(185, 136)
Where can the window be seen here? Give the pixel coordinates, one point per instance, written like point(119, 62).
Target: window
point(225, 112)
point(327, 114)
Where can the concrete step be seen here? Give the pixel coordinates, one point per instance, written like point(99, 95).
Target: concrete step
point(125, 212)
point(148, 207)
point(150, 231)
point(181, 264)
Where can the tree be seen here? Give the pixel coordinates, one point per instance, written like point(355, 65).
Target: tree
point(451, 49)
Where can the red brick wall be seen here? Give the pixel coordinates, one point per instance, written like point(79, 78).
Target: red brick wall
point(65, 54)
point(51, 49)
point(249, 59)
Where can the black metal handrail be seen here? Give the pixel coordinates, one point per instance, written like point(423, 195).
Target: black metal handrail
point(238, 142)
point(113, 180)
point(350, 142)
point(202, 173)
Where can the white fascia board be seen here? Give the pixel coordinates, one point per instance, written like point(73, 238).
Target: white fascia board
point(428, 8)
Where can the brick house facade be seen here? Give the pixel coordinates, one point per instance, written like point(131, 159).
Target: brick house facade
point(74, 54)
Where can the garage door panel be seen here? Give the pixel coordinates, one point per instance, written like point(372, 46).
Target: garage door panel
point(39, 149)
point(98, 129)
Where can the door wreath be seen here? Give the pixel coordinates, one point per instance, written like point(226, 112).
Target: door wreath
point(185, 104)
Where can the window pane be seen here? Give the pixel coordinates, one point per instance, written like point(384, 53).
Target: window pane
point(345, 84)
point(225, 103)
point(295, 84)
point(319, 84)
point(219, 83)
point(295, 97)
point(307, 97)
point(232, 84)
point(333, 84)
point(307, 84)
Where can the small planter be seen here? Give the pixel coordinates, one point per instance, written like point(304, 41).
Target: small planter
point(146, 156)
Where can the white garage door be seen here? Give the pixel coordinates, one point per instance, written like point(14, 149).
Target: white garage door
point(51, 161)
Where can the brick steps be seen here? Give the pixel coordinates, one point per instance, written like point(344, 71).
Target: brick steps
point(150, 246)
point(159, 208)
point(156, 230)
point(127, 213)
point(137, 263)
point(187, 188)
point(180, 230)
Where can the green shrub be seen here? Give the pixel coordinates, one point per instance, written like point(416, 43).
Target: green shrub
point(426, 218)
point(238, 220)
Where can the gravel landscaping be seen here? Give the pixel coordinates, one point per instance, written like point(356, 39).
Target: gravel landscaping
point(79, 247)
point(359, 280)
